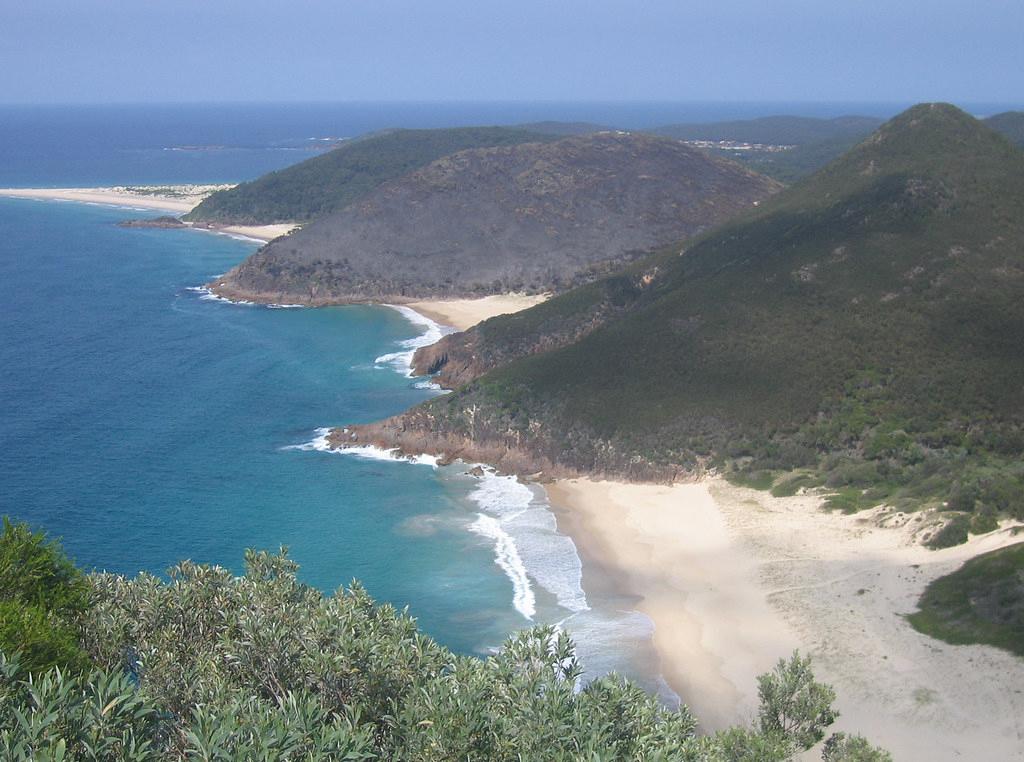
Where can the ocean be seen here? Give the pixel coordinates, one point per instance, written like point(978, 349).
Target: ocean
point(143, 422)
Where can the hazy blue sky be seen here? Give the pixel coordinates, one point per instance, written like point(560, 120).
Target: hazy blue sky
point(804, 50)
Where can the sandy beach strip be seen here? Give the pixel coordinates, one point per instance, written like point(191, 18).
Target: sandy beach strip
point(465, 313)
point(116, 196)
point(734, 578)
point(179, 199)
point(259, 232)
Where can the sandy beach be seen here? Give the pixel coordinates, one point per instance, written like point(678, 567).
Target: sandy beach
point(173, 199)
point(465, 313)
point(734, 578)
point(259, 232)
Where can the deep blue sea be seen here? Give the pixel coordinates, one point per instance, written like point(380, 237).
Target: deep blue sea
point(143, 423)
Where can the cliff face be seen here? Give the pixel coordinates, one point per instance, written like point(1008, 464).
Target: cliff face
point(533, 217)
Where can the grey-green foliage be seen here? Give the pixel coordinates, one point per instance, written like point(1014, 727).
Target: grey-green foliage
point(793, 704)
point(843, 748)
point(60, 716)
point(209, 666)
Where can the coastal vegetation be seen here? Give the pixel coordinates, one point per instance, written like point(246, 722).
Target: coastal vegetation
point(981, 602)
point(533, 217)
point(859, 332)
point(207, 665)
point(346, 174)
point(43, 598)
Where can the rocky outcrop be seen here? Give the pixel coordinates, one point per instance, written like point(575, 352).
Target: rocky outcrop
point(155, 222)
point(477, 435)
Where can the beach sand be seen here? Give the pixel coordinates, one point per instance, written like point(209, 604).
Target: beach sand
point(465, 313)
point(176, 200)
point(259, 232)
point(735, 579)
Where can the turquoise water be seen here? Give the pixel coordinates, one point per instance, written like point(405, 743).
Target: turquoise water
point(144, 424)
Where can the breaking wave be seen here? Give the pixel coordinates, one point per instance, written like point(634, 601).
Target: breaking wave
point(401, 361)
point(527, 545)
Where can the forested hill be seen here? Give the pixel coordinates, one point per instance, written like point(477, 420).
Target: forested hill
point(531, 217)
point(790, 148)
point(776, 130)
point(1009, 123)
point(866, 325)
point(335, 179)
point(329, 182)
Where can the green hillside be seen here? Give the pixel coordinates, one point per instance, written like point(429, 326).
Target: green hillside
point(1010, 124)
point(813, 142)
point(775, 130)
point(325, 183)
point(866, 326)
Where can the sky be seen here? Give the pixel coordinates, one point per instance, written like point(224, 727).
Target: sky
point(104, 51)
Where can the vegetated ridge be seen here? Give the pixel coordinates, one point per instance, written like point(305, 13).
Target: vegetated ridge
point(789, 148)
point(862, 330)
point(533, 217)
point(1010, 124)
point(775, 130)
point(333, 180)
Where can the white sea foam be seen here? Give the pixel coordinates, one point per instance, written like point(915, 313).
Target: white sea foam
point(612, 639)
point(517, 522)
point(207, 295)
point(527, 544)
point(506, 555)
point(368, 452)
point(402, 361)
point(319, 442)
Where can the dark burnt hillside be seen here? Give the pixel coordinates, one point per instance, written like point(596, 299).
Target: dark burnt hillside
point(533, 217)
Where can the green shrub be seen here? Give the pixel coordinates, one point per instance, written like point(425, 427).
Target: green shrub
point(42, 599)
point(758, 479)
point(843, 748)
point(953, 532)
point(787, 487)
point(984, 520)
point(208, 666)
point(981, 602)
point(793, 705)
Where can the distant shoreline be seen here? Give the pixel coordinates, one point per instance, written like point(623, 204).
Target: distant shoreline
point(178, 200)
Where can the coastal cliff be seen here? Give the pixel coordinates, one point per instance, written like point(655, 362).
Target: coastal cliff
point(533, 218)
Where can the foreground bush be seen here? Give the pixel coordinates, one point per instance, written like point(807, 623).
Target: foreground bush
point(210, 666)
point(42, 599)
